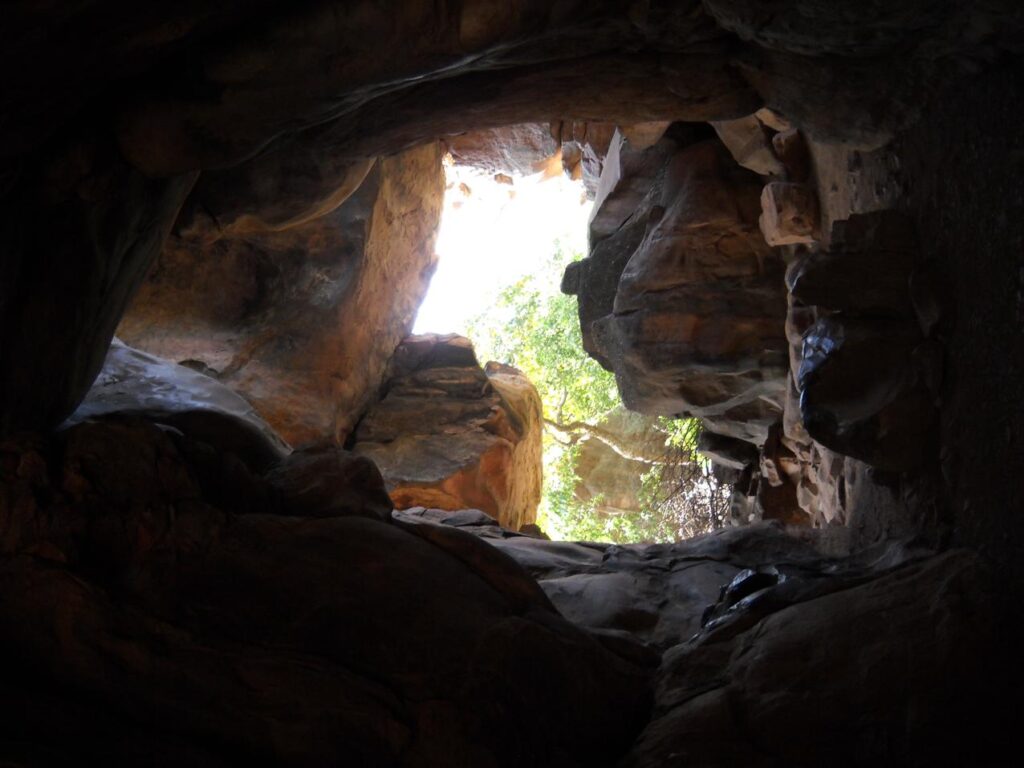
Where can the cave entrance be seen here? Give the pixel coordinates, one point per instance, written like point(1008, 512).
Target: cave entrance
point(517, 211)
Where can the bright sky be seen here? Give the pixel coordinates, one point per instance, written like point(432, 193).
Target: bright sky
point(494, 235)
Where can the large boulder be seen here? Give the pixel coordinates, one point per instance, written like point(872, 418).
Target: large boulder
point(695, 327)
point(135, 384)
point(449, 435)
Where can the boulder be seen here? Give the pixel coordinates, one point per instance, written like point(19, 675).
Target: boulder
point(881, 668)
point(135, 384)
point(750, 144)
point(610, 470)
point(695, 326)
point(327, 481)
point(867, 375)
point(789, 213)
point(449, 435)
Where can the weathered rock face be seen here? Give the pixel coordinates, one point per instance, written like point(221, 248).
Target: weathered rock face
point(916, 632)
point(512, 149)
point(302, 320)
point(447, 434)
point(286, 94)
point(754, 624)
point(135, 384)
point(694, 324)
point(129, 594)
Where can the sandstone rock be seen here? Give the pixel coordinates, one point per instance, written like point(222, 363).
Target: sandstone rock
point(518, 149)
point(873, 334)
point(867, 267)
point(448, 435)
point(694, 328)
point(643, 135)
point(611, 477)
point(285, 637)
point(791, 149)
point(789, 214)
point(750, 144)
point(726, 451)
point(861, 393)
point(134, 384)
point(327, 481)
point(584, 148)
point(301, 322)
point(837, 653)
point(655, 593)
point(80, 232)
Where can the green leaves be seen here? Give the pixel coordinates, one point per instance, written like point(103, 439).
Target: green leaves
point(534, 327)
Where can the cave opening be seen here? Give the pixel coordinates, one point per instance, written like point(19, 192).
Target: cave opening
point(246, 517)
point(514, 217)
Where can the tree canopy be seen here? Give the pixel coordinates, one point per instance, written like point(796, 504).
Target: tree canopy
point(534, 327)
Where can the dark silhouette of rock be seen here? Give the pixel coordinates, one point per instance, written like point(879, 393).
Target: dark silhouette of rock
point(135, 384)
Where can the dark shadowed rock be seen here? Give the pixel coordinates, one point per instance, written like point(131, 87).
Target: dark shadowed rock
point(327, 481)
point(820, 648)
point(283, 637)
point(135, 384)
point(867, 375)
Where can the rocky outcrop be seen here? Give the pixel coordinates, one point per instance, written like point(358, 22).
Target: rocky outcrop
point(881, 668)
point(755, 623)
point(301, 318)
point(693, 326)
point(110, 127)
point(451, 435)
point(224, 632)
point(135, 384)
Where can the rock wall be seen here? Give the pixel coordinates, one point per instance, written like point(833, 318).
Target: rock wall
point(165, 597)
point(301, 318)
point(451, 435)
point(111, 126)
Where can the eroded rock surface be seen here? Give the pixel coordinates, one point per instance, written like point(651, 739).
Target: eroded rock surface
point(449, 434)
point(513, 149)
point(130, 594)
point(135, 384)
point(301, 319)
point(693, 327)
point(757, 623)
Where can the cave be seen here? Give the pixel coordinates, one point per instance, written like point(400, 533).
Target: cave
point(247, 518)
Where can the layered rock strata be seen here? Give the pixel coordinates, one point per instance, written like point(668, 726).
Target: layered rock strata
point(452, 435)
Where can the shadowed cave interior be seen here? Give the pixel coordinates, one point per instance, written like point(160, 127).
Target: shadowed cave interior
point(247, 518)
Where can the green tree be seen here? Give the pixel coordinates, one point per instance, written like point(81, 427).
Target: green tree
point(535, 327)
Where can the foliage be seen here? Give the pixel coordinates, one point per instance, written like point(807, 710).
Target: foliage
point(536, 328)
